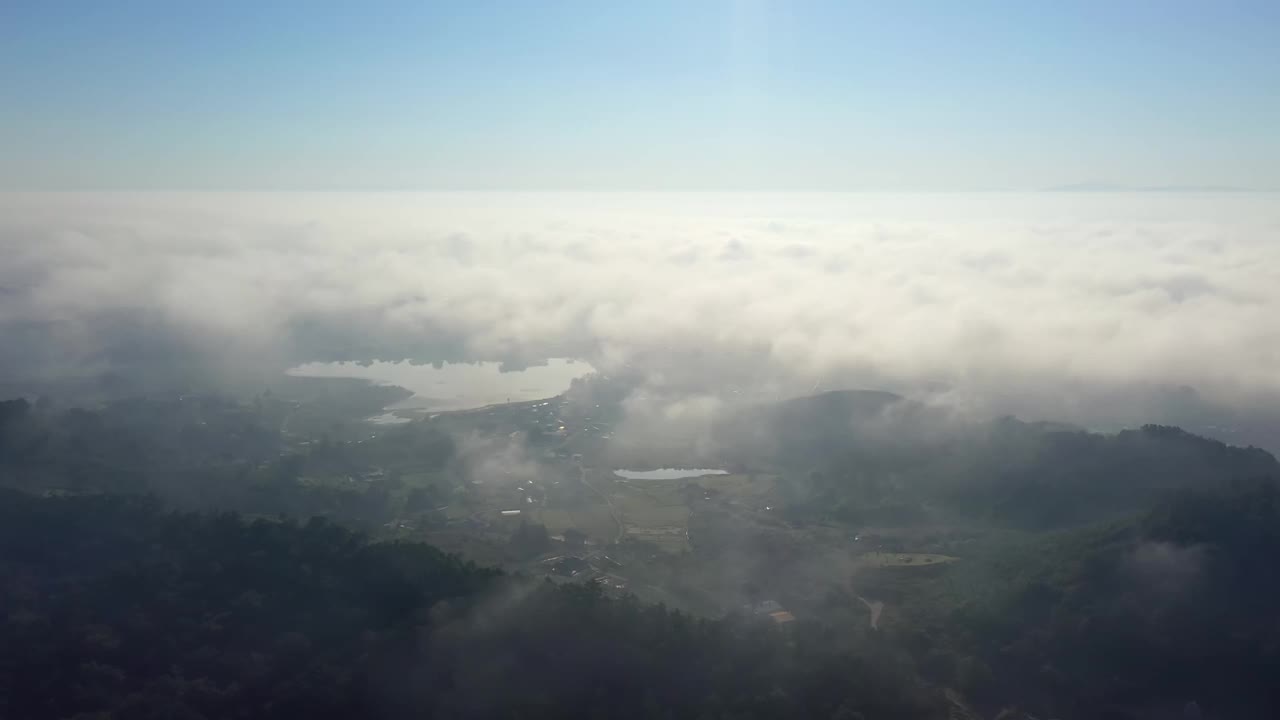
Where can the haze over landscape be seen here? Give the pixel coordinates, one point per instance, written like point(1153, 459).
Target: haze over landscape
point(884, 361)
point(1088, 309)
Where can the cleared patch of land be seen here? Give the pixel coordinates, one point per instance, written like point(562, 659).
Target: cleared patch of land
point(751, 490)
point(594, 520)
point(885, 559)
point(654, 512)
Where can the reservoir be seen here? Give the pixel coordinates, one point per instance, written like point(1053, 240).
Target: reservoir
point(456, 386)
point(668, 473)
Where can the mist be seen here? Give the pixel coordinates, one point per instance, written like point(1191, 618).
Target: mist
point(1087, 308)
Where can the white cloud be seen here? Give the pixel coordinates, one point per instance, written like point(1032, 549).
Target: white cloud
point(990, 296)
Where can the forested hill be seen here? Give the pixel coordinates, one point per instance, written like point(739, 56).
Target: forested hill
point(1172, 612)
point(857, 457)
point(1085, 575)
point(114, 608)
point(870, 457)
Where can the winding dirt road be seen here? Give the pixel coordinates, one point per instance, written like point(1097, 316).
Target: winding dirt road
point(876, 607)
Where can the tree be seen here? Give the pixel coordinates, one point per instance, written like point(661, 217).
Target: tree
point(116, 608)
point(574, 538)
point(530, 539)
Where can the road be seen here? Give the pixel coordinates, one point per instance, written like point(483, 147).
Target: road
point(876, 608)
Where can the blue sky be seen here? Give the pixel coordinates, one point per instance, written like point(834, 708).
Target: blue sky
point(245, 95)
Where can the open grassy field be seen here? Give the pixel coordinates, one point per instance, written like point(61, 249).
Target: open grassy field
point(594, 520)
point(641, 510)
point(556, 520)
point(655, 512)
point(739, 484)
point(340, 482)
point(671, 539)
point(887, 559)
point(420, 478)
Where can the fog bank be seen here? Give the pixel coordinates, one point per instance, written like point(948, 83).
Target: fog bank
point(1068, 306)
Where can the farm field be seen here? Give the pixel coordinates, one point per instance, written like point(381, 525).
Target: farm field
point(594, 520)
point(891, 559)
point(746, 489)
point(654, 511)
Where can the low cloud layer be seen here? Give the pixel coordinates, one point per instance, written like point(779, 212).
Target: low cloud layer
point(1038, 304)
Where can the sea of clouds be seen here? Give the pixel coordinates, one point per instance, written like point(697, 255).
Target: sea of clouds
point(1062, 305)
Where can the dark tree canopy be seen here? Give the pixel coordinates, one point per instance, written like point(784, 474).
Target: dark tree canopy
point(115, 608)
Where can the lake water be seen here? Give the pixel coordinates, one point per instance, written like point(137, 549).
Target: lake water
point(456, 386)
point(668, 473)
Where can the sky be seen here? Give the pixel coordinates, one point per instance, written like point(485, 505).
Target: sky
point(657, 95)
